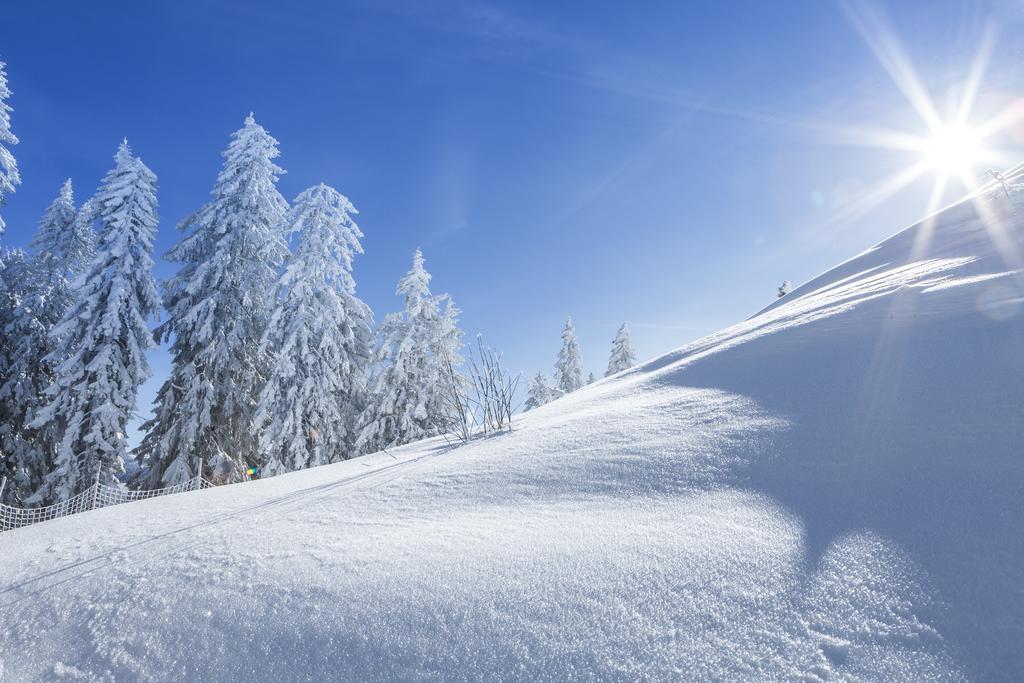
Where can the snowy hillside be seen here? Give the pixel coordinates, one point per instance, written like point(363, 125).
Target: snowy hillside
point(831, 489)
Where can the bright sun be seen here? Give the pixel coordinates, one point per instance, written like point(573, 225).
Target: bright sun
point(953, 151)
point(955, 147)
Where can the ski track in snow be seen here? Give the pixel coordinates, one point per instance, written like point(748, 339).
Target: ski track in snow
point(829, 490)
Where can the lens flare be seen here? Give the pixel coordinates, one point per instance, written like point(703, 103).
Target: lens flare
point(951, 148)
point(953, 151)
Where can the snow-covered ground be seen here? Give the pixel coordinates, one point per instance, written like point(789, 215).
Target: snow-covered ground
point(833, 488)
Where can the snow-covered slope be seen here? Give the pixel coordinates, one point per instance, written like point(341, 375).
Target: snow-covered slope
point(831, 489)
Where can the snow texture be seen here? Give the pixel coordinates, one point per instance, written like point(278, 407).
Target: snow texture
point(830, 490)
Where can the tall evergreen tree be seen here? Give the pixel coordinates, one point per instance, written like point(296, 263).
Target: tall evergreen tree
point(218, 305)
point(416, 349)
point(43, 294)
point(9, 176)
point(103, 336)
point(539, 392)
point(622, 357)
point(569, 366)
point(319, 338)
point(15, 330)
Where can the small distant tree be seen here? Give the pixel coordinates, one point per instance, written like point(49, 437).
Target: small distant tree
point(569, 366)
point(591, 378)
point(784, 289)
point(539, 393)
point(622, 357)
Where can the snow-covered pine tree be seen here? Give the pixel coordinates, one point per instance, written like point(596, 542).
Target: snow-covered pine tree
point(569, 367)
point(54, 227)
point(15, 276)
point(319, 339)
point(591, 378)
point(76, 247)
point(218, 306)
point(622, 357)
point(9, 176)
point(539, 392)
point(44, 293)
point(415, 350)
point(784, 289)
point(103, 337)
point(63, 248)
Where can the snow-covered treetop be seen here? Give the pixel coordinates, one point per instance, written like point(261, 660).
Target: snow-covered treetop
point(125, 204)
point(569, 367)
point(328, 238)
point(538, 393)
point(9, 176)
point(245, 197)
point(622, 356)
point(415, 285)
point(50, 242)
point(80, 244)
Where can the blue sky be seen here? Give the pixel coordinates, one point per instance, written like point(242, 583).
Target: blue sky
point(663, 163)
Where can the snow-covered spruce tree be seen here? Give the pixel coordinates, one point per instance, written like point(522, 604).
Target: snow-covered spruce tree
point(569, 367)
point(44, 293)
point(65, 243)
point(15, 275)
point(9, 176)
point(622, 357)
point(539, 392)
point(63, 248)
point(319, 341)
point(103, 337)
point(218, 306)
point(416, 350)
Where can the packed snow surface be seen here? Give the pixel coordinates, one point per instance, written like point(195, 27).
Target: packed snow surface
point(832, 489)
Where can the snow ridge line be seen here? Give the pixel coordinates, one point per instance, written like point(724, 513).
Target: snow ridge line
point(96, 496)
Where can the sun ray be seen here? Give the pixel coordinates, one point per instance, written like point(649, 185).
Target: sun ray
point(874, 29)
point(882, 191)
point(923, 238)
point(977, 73)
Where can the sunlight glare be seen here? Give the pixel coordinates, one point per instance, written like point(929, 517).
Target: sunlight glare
point(953, 150)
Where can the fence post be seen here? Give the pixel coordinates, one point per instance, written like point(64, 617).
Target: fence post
point(96, 487)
